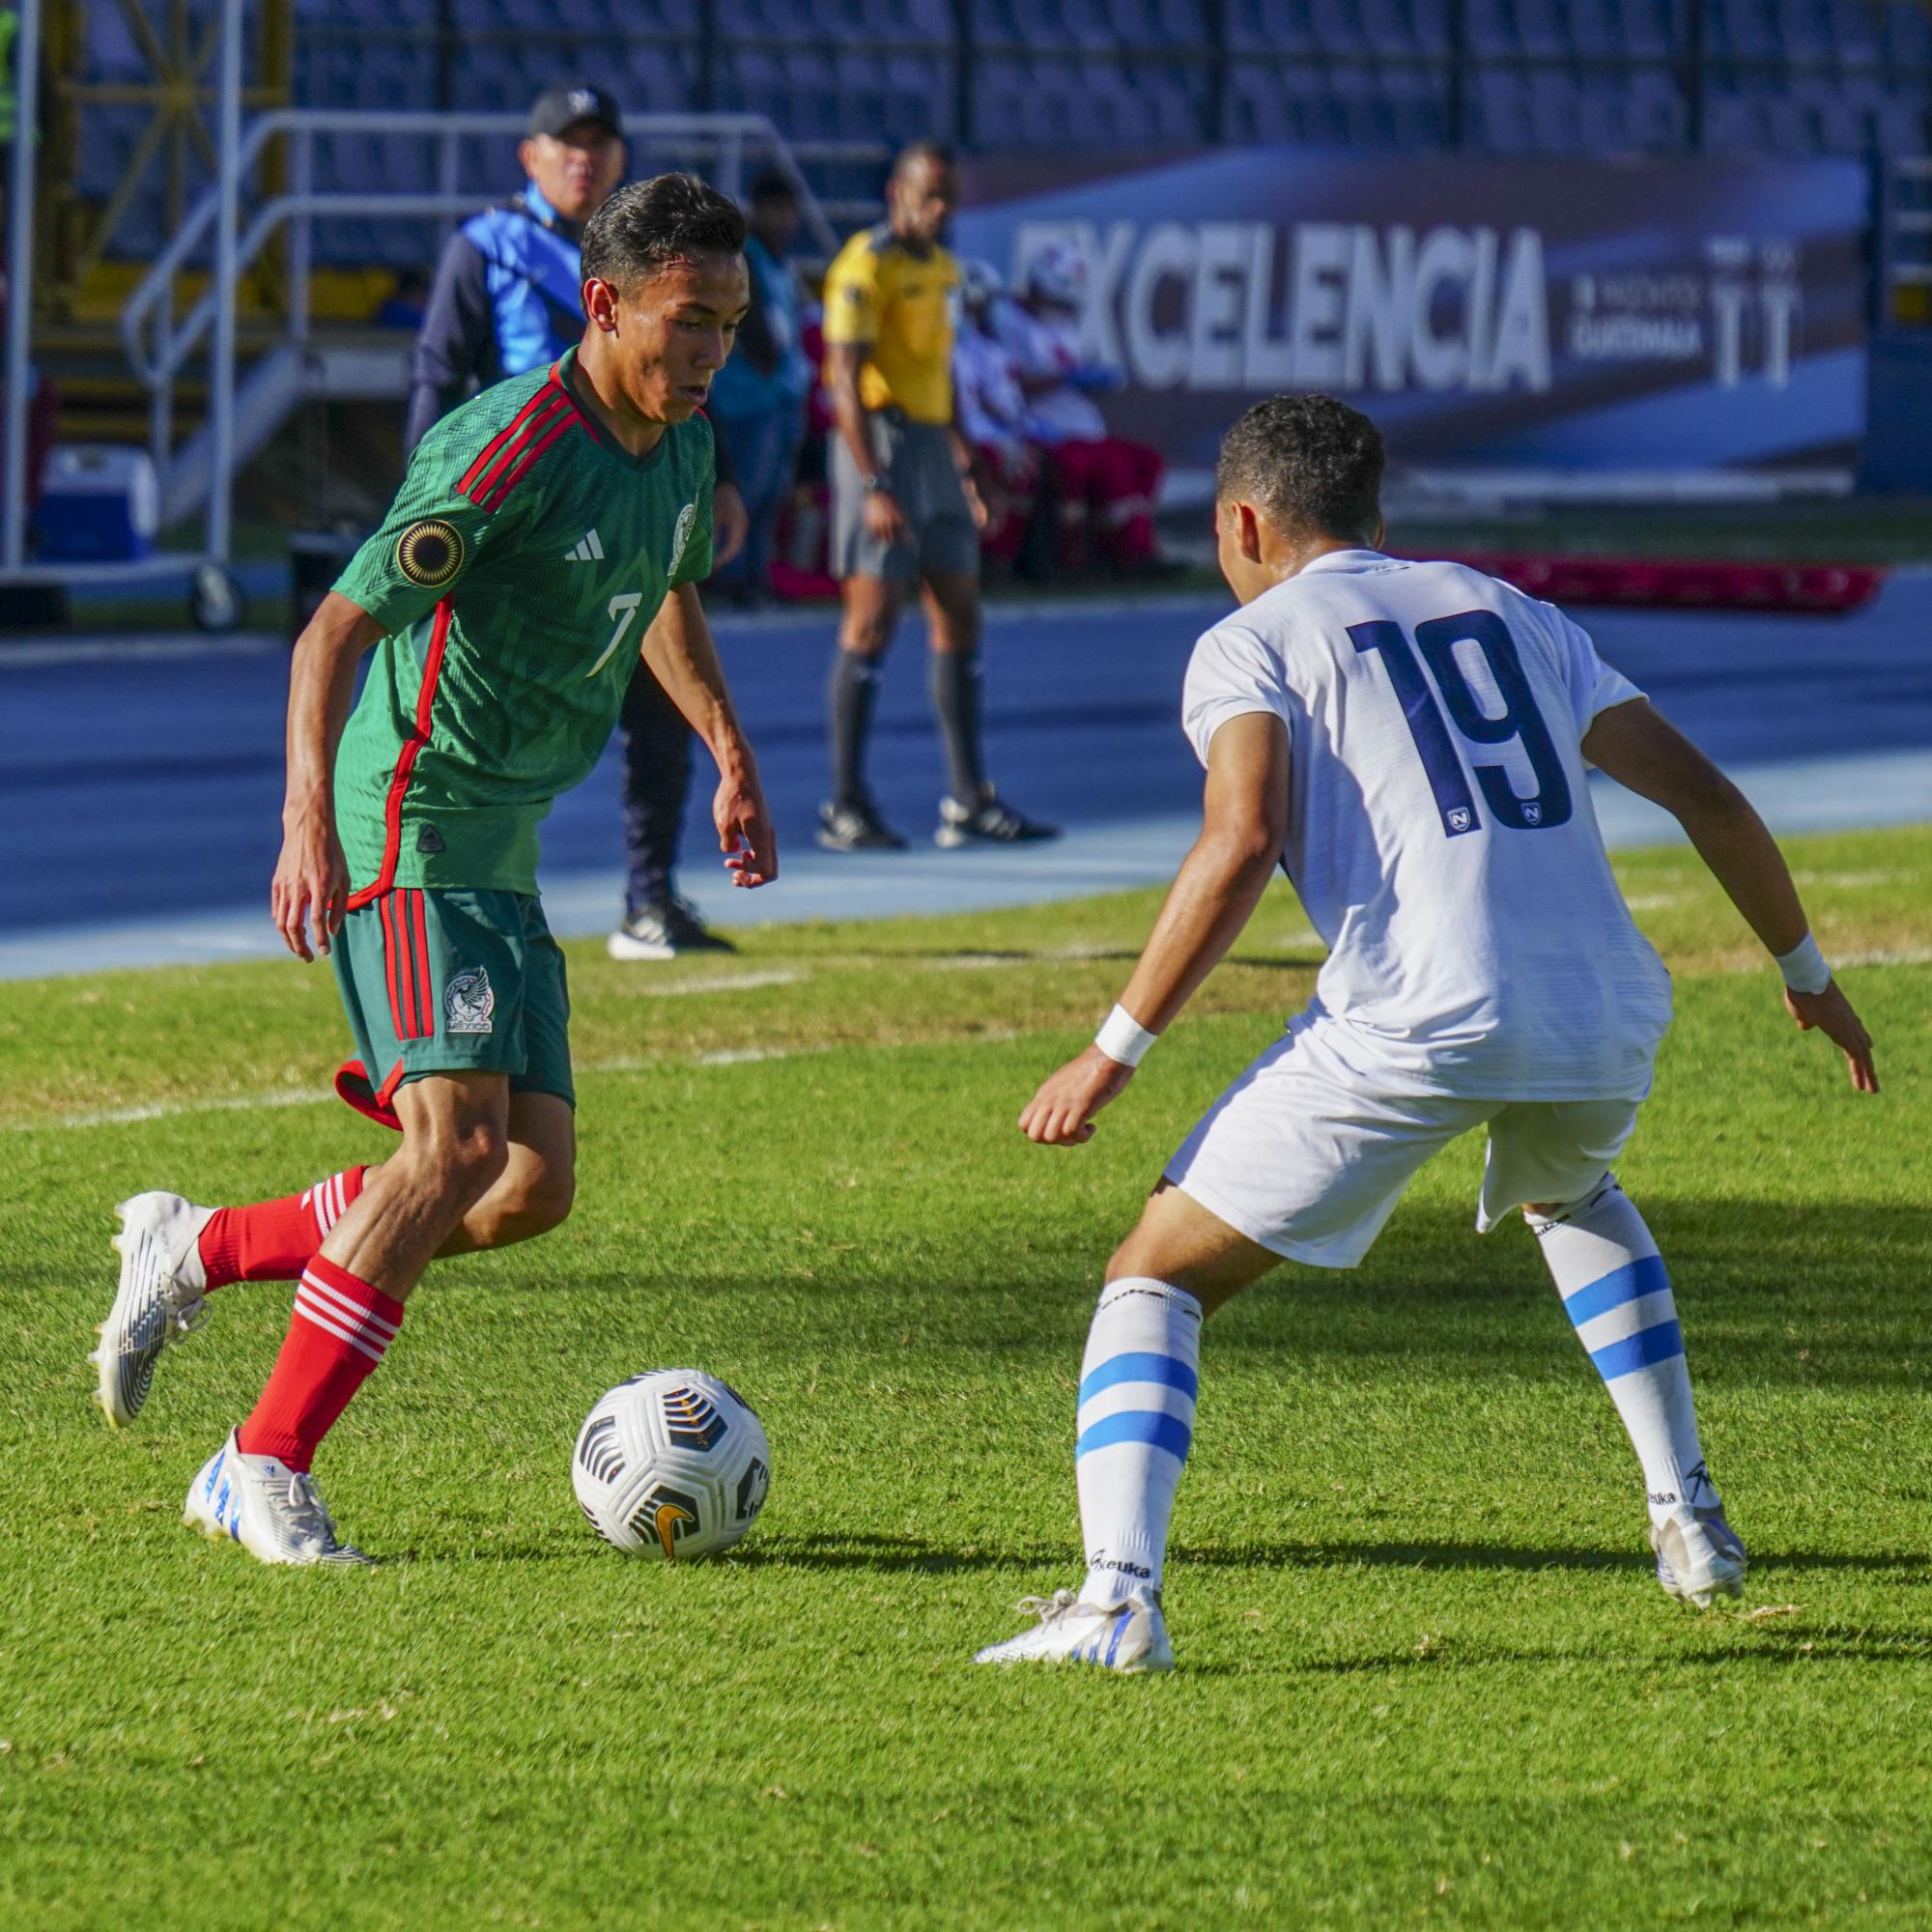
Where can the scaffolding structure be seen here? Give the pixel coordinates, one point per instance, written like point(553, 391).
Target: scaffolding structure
point(253, 225)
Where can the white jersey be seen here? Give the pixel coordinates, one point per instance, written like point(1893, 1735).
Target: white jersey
point(1440, 832)
point(992, 410)
point(1038, 348)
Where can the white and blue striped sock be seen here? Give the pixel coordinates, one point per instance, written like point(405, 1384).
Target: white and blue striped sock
point(1615, 1290)
point(1136, 1420)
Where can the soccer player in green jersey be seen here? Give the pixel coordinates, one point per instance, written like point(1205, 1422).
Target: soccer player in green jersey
point(545, 530)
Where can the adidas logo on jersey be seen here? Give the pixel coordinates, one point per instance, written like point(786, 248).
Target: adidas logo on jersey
point(590, 551)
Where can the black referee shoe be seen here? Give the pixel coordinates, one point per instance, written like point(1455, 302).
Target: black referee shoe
point(665, 930)
point(856, 828)
point(990, 822)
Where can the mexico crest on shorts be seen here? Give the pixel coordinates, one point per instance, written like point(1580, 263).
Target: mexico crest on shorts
point(680, 542)
point(468, 1001)
point(430, 552)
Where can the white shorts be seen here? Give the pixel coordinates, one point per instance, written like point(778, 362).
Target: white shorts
point(1302, 1155)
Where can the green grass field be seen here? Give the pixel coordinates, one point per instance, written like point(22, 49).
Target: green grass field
point(1425, 1674)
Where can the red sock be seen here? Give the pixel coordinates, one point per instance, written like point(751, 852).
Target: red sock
point(336, 1337)
point(274, 1240)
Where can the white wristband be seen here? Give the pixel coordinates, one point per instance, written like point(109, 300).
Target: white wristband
point(1122, 1038)
point(1803, 967)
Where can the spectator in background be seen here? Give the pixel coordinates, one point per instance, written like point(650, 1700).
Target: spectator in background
point(1107, 486)
point(507, 298)
point(993, 414)
point(905, 507)
point(758, 397)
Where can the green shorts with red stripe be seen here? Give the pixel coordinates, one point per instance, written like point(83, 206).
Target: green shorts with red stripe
point(451, 981)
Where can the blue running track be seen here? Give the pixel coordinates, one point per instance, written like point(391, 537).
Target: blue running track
point(142, 784)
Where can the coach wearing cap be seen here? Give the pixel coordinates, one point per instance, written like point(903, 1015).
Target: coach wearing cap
point(507, 299)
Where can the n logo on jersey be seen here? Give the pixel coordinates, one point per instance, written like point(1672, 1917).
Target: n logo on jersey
point(590, 550)
point(1458, 817)
point(687, 521)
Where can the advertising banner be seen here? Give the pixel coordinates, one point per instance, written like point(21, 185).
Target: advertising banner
point(1670, 314)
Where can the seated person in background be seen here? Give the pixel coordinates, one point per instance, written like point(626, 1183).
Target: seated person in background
point(993, 414)
point(1106, 485)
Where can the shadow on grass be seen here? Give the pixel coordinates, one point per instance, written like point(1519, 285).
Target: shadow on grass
point(1764, 1646)
point(906, 1554)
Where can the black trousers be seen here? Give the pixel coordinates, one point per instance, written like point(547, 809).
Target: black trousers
point(657, 780)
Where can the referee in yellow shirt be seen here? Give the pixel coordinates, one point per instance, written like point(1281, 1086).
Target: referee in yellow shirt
point(905, 507)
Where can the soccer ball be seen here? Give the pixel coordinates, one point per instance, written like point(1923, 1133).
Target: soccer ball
point(671, 1464)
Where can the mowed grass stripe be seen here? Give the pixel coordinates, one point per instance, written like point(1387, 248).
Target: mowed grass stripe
point(1425, 1674)
point(118, 1041)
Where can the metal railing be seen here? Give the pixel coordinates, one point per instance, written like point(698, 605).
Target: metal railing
point(160, 335)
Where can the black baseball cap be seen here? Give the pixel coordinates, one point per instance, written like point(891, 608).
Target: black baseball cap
point(563, 106)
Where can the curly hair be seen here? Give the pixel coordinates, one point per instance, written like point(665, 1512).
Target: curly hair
point(1312, 464)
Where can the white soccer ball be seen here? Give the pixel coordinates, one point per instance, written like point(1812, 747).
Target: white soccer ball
point(671, 1464)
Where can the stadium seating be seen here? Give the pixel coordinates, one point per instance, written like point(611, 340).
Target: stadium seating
point(1789, 77)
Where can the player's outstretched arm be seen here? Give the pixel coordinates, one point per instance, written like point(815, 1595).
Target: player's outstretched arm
point(1244, 825)
point(311, 882)
point(679, 649)
point(1652, 757)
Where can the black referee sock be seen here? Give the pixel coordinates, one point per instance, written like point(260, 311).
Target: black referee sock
point(853, 692)
point(955, 697)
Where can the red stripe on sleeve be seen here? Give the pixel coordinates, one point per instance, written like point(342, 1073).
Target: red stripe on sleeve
point(543, 399)
point(540, 420)
point(499, 493)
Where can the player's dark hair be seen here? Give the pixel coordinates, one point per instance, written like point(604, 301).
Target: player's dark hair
point(1314, 464)
point(910, 155)
point(768, 185)
point(647, 225)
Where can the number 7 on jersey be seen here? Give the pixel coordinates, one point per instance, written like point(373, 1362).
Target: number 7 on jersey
point(626, 601)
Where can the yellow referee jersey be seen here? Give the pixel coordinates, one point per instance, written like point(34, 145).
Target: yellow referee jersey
point(899, 304)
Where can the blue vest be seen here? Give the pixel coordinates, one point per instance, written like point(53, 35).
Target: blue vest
point(534, 274)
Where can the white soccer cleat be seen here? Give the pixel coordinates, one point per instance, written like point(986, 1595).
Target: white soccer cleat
point(273, 1512)
point(1699, 1556)
point(1129, 1637)
point(153, 1306)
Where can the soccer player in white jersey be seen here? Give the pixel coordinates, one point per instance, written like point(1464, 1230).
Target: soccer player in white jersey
point(1410, 742)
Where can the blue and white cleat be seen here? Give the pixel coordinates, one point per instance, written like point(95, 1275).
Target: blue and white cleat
point(161, 1298)
point(1129, 1637)
point(273, 1512)
point(1699, 1556)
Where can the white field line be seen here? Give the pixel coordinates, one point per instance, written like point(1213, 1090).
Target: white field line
point(742, 982)
point(737, 1056)
point(1847, 881)
point(744, 1056)
point(1886, 956)
point(173, 1110)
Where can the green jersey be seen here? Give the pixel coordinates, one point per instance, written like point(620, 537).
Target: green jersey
point(515, 577)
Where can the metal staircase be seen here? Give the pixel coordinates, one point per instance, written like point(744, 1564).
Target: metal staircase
point(164, 335)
